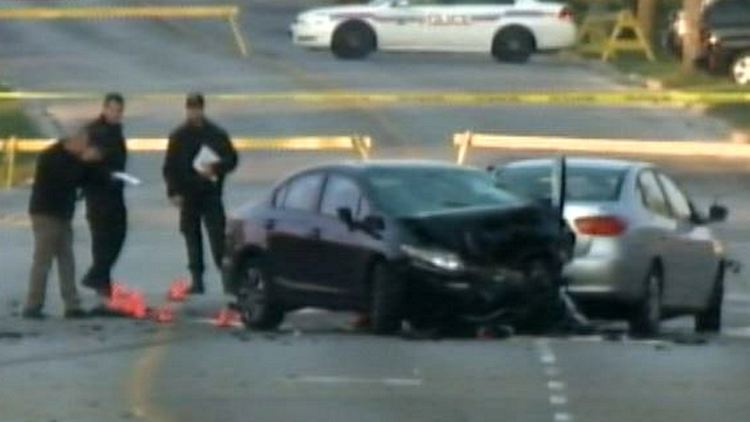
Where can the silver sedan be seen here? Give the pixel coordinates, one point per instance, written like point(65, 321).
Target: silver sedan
point(643, 251)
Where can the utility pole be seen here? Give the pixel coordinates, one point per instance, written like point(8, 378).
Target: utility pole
point(691, 42)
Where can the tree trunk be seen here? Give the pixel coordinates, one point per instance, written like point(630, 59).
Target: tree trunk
point(647, 17)
point(691, 41)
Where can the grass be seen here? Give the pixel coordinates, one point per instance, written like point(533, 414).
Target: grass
point(15, 122)
point(669, 71)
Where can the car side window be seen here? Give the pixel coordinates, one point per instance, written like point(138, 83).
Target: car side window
point(340, 192)
point(652, 195)
point(279, 196)
point(303, 192)
point(677, 199)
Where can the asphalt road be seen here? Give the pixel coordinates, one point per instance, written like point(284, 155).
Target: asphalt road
point(316, 368)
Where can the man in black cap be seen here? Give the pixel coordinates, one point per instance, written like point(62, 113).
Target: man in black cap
point(199, 157)
point(105, 202)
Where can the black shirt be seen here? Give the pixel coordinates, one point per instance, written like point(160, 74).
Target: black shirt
point(58, 177)
point(104, 195)
point(184, 144)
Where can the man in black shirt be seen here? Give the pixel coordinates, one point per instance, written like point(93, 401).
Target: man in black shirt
point(60, 171)
point(105, 201)
point(199, 157)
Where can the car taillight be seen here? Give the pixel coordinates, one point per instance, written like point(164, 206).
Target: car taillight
point(565, 14)
point(601, 225)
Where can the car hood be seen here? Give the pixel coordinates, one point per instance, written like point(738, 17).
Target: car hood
point(487, 235)
point(338, 11)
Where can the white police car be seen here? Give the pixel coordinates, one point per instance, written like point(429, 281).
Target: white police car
point(511, 30)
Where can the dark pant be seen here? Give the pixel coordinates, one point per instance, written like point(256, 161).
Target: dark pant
point(197, 211)
point(53, 241)
point(107, 239)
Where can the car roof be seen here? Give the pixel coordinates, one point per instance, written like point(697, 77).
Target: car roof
point(359, 167)
point(604, 163)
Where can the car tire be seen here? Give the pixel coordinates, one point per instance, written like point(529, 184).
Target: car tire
point(709, 321)
point(647, 314)
point(352, 41)
point(741, 69)
point(255, 301)
point(386, 308)
point(513, 45)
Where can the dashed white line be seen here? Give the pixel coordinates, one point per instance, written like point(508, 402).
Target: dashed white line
point(556, 385)
point(558, 400)
point(563, 417)
point(395, 382)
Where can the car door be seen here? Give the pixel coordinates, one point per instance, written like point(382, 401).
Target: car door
point(693, 247)
point(657, 234)
point(470, 25)
point(293, 233)
point(401, 25)
point(344, 250)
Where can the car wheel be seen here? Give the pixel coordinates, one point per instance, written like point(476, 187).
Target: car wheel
point(353, 40)
point(513, 45)
point(254, 299)
point(647, 315)
point(741, 69)
point(386, 301)
point(709, 321)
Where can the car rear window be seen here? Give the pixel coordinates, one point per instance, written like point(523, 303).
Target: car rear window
point(594, 184)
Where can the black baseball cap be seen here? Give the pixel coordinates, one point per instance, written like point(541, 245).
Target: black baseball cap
point(195, 100)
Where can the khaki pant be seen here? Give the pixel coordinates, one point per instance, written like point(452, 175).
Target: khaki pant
point(53, 240)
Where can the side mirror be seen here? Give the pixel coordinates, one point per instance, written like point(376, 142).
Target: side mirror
point(373, 223)
point(717, 213)
point(345, 215)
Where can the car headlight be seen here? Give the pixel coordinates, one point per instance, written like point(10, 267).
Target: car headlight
point(444, 260)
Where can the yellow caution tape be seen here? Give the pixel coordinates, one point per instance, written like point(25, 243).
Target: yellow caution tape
point(445, 98)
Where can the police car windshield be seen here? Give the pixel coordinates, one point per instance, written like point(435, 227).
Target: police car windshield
point(413, 191)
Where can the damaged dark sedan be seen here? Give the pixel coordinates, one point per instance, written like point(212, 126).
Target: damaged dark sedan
point(398, 241)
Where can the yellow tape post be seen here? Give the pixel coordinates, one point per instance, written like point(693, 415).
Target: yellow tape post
point(676, 149)
point(611, 33)
point(228, 12)
point(433, 98)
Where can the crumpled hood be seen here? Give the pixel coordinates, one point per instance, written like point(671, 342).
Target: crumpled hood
point(485, 235)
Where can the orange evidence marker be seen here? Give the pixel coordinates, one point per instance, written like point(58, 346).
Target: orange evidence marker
point(178, 290)
point(227, 318)
point(128, 302)
point(163, 315)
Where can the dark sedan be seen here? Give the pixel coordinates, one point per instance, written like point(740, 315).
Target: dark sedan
point(399, 240)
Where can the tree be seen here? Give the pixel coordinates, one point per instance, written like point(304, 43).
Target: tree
point(647, 17)
point(691, 40)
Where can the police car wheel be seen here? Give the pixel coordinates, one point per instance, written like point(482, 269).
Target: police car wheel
point(513, 45)
point(353, 40)
point(255, 302)
point(741, 69)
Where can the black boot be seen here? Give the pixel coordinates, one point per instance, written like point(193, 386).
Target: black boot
point(197, 288)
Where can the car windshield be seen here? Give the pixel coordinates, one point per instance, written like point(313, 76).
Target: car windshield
point(584, 183)
point(415, 191)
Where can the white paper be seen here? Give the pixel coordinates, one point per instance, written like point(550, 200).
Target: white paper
point(126, 178)
point(205, 158)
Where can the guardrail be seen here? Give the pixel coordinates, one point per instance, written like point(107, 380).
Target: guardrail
point(228, 12)
point(359, 144)
point(678, 149)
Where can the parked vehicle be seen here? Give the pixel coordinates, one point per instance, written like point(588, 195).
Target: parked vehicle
point(510, 30)
point(399, 240)
point(643, 251)
point(725, 37)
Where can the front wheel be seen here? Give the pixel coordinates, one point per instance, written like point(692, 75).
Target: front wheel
point(255, 300)
point(353, 40)
point(646, 318)
point(513, 45)
point(709, 321)
point(741, 69)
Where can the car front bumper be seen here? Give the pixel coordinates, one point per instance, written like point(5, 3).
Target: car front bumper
point(311, 35)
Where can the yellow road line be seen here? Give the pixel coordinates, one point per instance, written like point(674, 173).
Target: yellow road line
point(136, 12)
point(139, 387)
